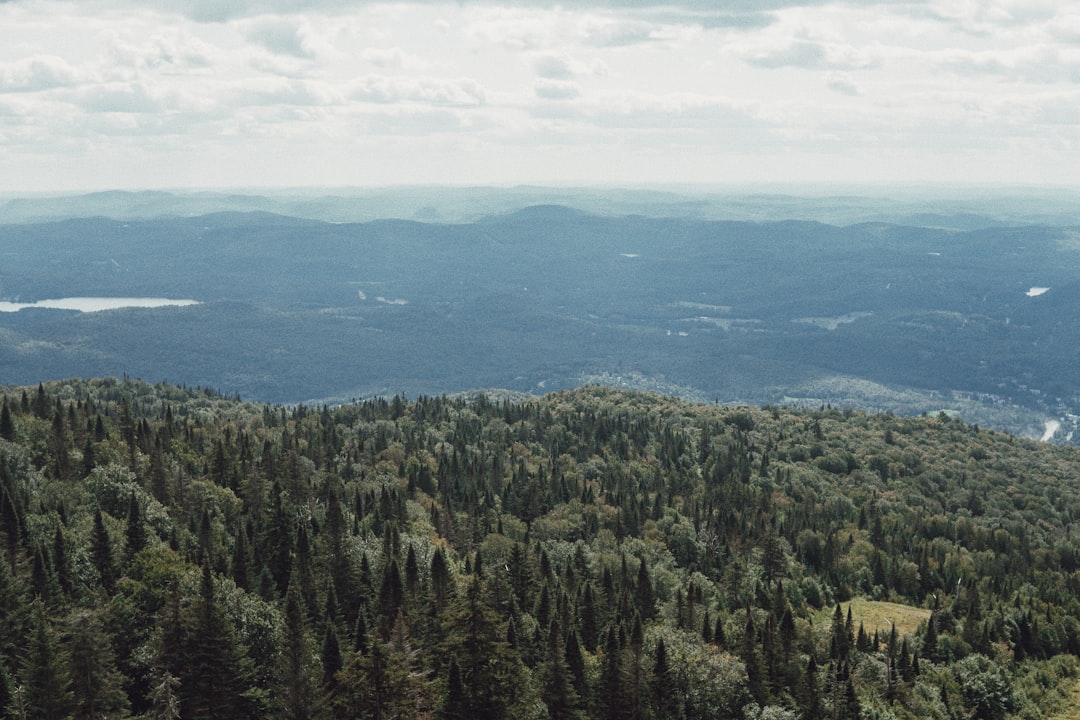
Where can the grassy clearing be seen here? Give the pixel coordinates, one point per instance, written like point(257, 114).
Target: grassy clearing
point(1071, 710)
point(878, 615)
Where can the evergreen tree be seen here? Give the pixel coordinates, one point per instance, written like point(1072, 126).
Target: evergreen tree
point(46, 681)
point(611, 695)
point(298, 679)
point(494, 678)
point(556, 682)
point(455, 703)
point(332, 660)
point(97, 684)
point(241, 560)
point(644, 597)
point(61, 563)
point(663, 701)
point(7, 425)
point(135, 532)
point(7, 691)
point(590, 628)
point(214, 677)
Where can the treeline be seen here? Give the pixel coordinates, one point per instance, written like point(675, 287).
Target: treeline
point(172, 553)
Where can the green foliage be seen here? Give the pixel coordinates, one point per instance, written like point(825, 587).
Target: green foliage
point(594, 553)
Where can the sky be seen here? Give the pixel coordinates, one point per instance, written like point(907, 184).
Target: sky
point(102, 94)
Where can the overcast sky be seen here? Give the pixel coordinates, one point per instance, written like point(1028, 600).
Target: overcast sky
point(102, 94)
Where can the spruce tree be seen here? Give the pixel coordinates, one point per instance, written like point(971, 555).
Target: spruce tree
point(663, 701)
point(455, 704)
point(299, 671)
point(135, 531)
point(214, 668)
point(644, 597)
point(7, 425)
point(97, 684)
point(556, 682)
point(46, 681)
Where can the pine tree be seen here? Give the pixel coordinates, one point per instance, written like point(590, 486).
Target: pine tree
point(7, 426)
point(391, 596)
point(755, 674)
point(61, 564)
point(576, 662)
point(332, 660)
point(298, 679)
point(46, 681)
point(590, 628)
point(7, 690)
point(663, 701)
point(810, 693)
point(455, 703)
point(556, 682)
point(241, 560)
point(494, 678)
point(135, 532)
point(13, 618)
point(97, 684)
point(611, 695)
point(214, 669)
point(644, 597)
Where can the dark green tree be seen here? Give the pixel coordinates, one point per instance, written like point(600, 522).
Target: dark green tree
point(46, 681)
point(556, 681)
point(299, 673)
point(214, 680)
point(96, 682)
point(7, 425)
point(135, 531)
point(494, 678)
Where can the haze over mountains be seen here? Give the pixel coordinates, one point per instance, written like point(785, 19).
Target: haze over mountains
point(961, 303)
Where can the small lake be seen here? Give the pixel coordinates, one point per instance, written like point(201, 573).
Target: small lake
point(95, 304)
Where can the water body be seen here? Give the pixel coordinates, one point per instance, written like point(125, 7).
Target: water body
point(95, 304)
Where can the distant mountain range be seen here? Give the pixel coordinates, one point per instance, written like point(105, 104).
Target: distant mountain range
point(941, 314)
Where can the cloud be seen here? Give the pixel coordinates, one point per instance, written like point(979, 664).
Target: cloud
point(176, 52)
point(119, 98)
point(736, 13)
point(556, 89)
point(563, 67)
point(462, 92)
point(393, 58)
point(41, 72)
point(282, 91)
point(811, 54)
point(606, 32)
point(282, 37)
point(841, 83)
point(659, 112)
point(1037, 64)
point(553, 67)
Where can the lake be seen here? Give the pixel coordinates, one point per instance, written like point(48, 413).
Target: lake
point(94, 304)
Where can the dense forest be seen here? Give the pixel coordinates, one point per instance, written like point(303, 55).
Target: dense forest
point(887, 318)
point(595, 553)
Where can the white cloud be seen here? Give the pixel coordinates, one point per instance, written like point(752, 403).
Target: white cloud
point(41, 72)
point(841, 83)
point(393, 58)
point(609, 32)
point(119, 98)
point(564, 67)
point(615, 89)
point(556, 89)
point(462, 92)
point(811, 54)
point(283, 36)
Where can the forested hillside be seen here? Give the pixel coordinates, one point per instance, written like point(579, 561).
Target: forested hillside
point(903, 319)
point(169, 553)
